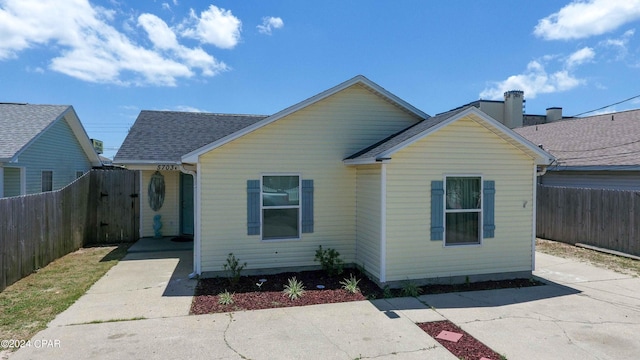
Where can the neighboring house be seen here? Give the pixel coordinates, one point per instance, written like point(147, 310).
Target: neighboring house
point(600, 152)
point(42, 148)
point(354, 168)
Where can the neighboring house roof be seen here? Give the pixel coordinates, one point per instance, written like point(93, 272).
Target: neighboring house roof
point(387, 147)
point(165, 136)
point(192, 157)
point(607, 142)
point(22, 124)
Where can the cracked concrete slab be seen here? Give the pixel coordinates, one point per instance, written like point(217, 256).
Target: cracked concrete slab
point(142, 285)
point(597, 317)
point(583, 313)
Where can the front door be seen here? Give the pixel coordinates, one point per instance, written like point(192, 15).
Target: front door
point(186, 204)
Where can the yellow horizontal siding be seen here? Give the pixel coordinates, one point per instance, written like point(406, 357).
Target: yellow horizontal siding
point(170, 210)
point(464, 147)
point(368, 219)
point(313, 142)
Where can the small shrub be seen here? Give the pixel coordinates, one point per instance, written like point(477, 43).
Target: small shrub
point(386, 292)
point(233, 268)
point(225, 298)
point(411, 289)
point(350, 284)
point(330, 261)
point(294, 289)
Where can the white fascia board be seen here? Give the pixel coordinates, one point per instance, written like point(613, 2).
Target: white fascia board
point(81, 134)
point(193, 156)
point(596, 168)
point(367, 161)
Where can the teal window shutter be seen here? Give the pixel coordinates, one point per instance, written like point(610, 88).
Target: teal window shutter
point(253, 207)
point(488, 208)
point(437, 210)
point(307, 206)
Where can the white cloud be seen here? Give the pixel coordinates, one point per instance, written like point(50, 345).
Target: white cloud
point(269, 23)
point(214, 26)
point(535, 80)
point(89, 48)
point(619, 44)
point(580, 57)
point(581, 19)
point(166, 6)
point(187, 108)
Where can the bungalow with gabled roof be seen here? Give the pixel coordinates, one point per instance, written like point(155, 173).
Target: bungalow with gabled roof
point(42, 148)
point(404, 195)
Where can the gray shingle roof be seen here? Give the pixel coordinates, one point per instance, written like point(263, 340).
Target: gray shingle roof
point(168, 135)
point(398, 138)
point(602, 140)
point(21, 123)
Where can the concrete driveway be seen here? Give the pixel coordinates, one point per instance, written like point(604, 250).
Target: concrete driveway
point(139, 310)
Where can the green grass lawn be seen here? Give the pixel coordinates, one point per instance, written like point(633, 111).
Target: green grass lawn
point(28, 305)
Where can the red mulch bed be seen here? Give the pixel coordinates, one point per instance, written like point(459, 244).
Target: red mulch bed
point(249, 296)
point(467, 347)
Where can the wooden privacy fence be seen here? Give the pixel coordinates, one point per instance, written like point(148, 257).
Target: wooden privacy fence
point(98, 208)
point(608, 219)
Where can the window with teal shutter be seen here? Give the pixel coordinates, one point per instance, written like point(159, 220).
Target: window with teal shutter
point(437, 210)
point(488, 215)
point(462, 210)
point(281, 209)
point(307, 206)
point(253, 207)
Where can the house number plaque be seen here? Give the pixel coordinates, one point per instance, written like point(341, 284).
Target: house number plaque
point(168, 168)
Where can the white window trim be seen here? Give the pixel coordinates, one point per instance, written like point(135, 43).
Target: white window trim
point(480, 211)
point(299, 207)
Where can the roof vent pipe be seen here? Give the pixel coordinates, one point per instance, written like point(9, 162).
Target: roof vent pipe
point(554, 114)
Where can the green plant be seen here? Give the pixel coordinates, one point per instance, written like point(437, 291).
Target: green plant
point(233, 268)
point(294, 289)
point(225, 298)
point(329, 260)
point(409, 288)
point(386, 292)
point(350, 284)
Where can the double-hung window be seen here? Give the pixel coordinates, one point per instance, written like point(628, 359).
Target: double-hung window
point(463, 210)
point(280, 195)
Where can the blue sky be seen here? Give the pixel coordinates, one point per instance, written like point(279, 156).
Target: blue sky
point(111, 59)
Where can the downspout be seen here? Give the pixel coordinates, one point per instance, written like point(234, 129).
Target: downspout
point(383, 223)
point(535, 210)
point(536, 173)
point(196, 218)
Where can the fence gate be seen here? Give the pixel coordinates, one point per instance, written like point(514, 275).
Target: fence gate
point(115, 195)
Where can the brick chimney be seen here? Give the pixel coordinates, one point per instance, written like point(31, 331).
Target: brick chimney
point(513, 104)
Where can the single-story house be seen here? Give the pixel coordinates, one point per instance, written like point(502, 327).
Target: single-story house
point(355, 168)
point(42, 148)
point(598, 152)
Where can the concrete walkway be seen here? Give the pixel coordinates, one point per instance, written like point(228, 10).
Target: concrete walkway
point(584, 313)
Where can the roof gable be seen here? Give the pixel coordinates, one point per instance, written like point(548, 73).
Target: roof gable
point(359, 80)
point(165, 136)
point(386, 148)
point(608, 140)
point(22, 124)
